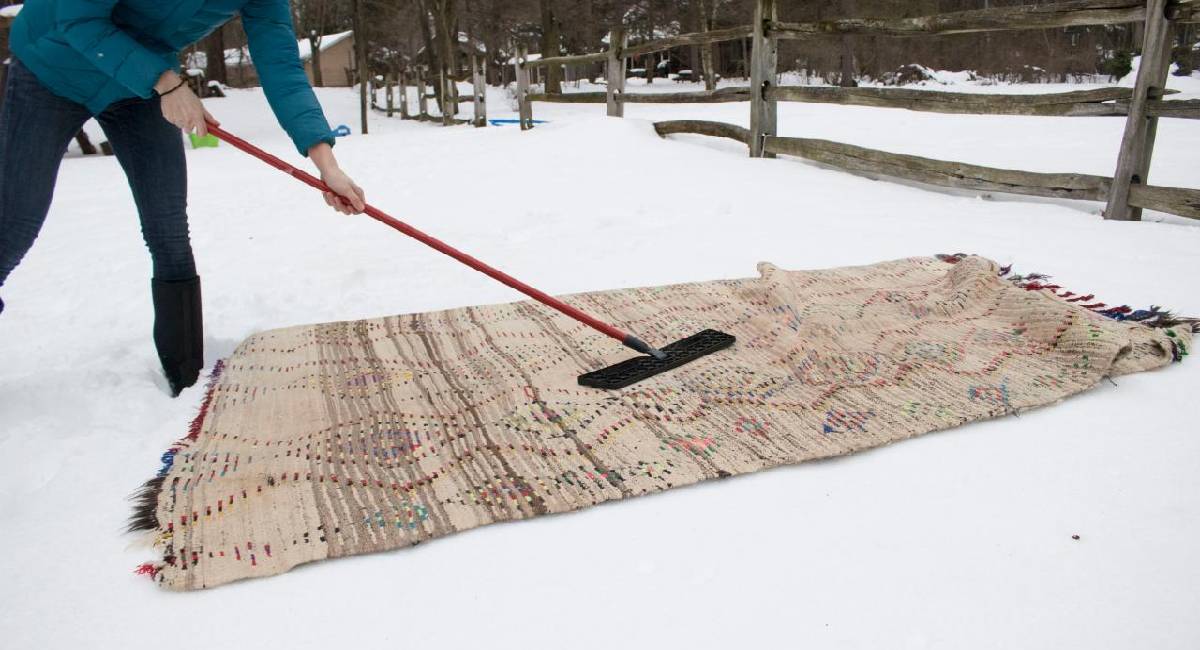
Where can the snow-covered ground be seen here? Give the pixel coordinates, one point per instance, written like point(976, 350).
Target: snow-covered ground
point(957, 539)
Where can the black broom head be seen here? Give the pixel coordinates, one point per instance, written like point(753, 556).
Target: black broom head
point(676, 354)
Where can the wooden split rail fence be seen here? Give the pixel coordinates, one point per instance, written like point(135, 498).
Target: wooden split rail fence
point(1126, 193)
point(396, 86)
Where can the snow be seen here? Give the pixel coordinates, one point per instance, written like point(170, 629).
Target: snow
point(536, 56)
point(956, 539)
point(234, 56)
point(10, 11)
point(327, 42)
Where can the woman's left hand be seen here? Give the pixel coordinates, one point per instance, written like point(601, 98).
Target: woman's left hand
point(347, 197)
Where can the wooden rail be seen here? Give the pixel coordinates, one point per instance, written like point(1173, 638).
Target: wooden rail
point(1077, 103)
point(573, 59)
point(641, 49)
point(1188, 109)
point(695, 38)
point(939, 172)
point(1181, 201)
point(721, 96)
point(1063, 14)
point(1074, 103)
point(704, 127)
point(569, 98)
point(1176, 200)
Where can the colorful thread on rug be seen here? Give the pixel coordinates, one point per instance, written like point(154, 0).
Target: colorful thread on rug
point(1153, 316)
point(145, 498)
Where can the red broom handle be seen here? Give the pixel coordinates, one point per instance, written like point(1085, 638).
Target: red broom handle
point(436, 244)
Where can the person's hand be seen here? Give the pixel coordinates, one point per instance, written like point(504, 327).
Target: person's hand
point(180, 106)
point(346, 197)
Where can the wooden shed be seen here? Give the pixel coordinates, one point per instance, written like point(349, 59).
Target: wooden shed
point(337, 59)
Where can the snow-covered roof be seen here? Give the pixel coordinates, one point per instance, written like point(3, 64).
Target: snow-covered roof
point(10, 11)
point(327, 41)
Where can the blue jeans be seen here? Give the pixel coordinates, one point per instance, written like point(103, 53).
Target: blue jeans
point(35, 128)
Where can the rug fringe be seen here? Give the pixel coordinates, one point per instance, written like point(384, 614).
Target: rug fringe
point(145, 505)
point(147, 569)
point(145, 498)
point(1153, 316)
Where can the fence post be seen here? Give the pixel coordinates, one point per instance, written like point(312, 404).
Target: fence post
point(523, 108)
point(615, 71)
point(404, 115)
point(1137, 144)
point(422, 97)
point(448, 103)
point(764, 58)
point(389, 89)
point(479, 89)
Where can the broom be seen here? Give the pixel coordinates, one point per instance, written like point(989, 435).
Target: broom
point(653, 360)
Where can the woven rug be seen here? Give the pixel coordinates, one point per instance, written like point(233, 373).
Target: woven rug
point(344, 438)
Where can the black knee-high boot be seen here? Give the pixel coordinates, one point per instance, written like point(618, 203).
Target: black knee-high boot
point(179, 330)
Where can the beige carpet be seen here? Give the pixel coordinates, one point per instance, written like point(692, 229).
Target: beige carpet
point(355, 437)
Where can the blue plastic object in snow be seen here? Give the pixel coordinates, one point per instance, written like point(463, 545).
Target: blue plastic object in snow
point(506, 121)
point(342, 131)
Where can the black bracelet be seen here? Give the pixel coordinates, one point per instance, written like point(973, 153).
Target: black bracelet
point(182, 82)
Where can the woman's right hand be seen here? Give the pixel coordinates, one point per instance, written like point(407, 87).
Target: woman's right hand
point(181, 106)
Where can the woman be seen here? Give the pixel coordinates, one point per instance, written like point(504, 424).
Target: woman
point(117, 61)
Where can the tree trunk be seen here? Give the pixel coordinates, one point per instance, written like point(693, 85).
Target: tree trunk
point(847, 79)
point(551, 45)
point(360, 50)
point(746, 57)
point(445, 40)
point(695, 24)
point(650, 70)
point(214, 54)
point(314, 47)
point(1186, 50)
point(706, 51)
point(427, 36)
point(315, 36)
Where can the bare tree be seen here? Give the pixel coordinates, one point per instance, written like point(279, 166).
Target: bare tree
point(551, 44)
point(313, 27)
point(360, 51)
point(214, 56)
point(847, 79)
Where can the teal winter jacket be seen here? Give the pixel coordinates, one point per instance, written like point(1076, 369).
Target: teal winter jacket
point(96, 52)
